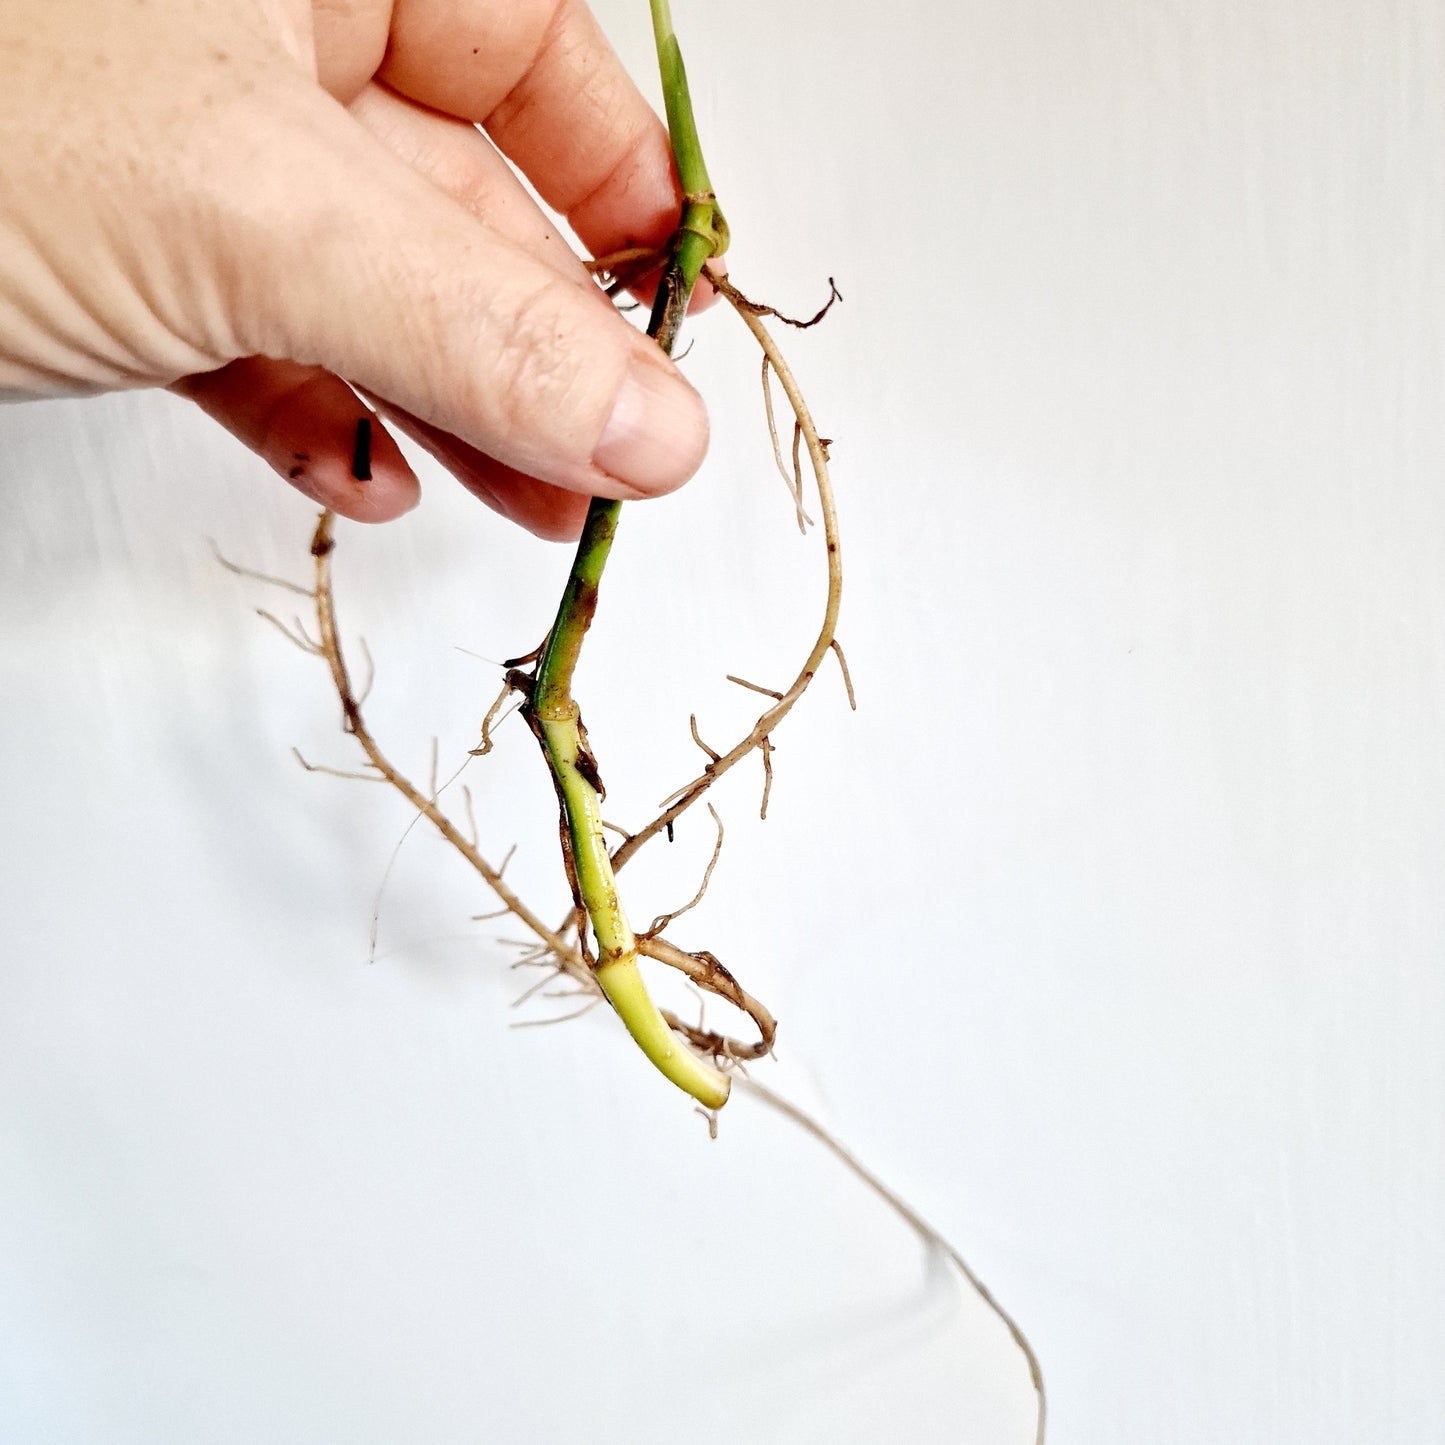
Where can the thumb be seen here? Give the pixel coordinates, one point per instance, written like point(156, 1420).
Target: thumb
point(383, 279)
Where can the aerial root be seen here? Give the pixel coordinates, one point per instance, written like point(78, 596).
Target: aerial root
point(708, 973)
point(759, 737)
point(336, 772)
point(792, 479)
point(711, 752)
point(566, 1018)
point(254, 576)
point(758, 309)
point(664, 919)
point(930, 1236)
point(847, 679)
point(495, 714)
point(755, 687)
point(616, 271)
point(295, 634)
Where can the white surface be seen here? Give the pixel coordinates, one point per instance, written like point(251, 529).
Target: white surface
point(1110, 929)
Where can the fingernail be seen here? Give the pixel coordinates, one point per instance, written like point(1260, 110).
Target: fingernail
point(657, 434)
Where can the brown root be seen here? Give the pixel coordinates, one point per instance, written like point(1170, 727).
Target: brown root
point(756, 308)
point(548, 947)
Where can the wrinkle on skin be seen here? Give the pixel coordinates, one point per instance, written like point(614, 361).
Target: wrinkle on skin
point(461, 161)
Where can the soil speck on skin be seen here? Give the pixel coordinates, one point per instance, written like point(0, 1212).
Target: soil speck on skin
point(361, 451)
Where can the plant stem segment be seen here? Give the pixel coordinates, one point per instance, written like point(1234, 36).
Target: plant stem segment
point(552, 710)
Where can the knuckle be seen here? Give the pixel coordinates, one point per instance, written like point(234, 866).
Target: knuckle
point(540, 369)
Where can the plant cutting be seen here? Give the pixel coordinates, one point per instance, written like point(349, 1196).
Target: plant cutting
point(553, 712)
point(597, 945)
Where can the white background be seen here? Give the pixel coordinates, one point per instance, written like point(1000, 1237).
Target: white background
point(1109, 929)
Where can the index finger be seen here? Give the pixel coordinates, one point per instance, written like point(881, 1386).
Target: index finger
point(541, 79)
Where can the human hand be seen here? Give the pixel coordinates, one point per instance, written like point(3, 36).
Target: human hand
point(248, 200)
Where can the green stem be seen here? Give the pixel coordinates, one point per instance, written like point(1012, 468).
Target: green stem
point(552, 710)
point(702, 232)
